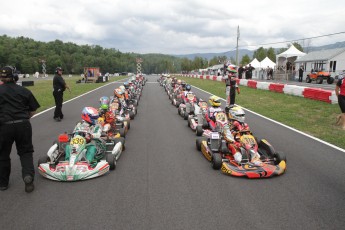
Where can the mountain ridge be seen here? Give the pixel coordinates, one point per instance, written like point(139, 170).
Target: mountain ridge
point(243, 52)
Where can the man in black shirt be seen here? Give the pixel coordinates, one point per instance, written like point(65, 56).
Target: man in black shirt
point(240, 71)
point(17, 106)
point(59, 86)
point(249, 71)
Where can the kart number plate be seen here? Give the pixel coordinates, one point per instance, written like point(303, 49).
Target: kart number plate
point(215, 136)
point(77, 141)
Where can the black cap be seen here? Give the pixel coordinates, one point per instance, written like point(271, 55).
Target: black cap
point(58, 68)
point(7, 71)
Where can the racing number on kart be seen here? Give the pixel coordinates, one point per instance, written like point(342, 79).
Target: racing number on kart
point(77, 141)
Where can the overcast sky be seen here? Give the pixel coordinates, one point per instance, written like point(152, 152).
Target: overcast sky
point(174, 26)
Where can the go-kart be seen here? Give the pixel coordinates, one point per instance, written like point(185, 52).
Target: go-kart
point(198, 118)
point(186, 108)
point(220, 119)
point(55, 167)
point(259, 158)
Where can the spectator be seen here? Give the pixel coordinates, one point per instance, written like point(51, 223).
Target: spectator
point(249, 71)
point(300, 73)
point(240, 71)
point(340, 92)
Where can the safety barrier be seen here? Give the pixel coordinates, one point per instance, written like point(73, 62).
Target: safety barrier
point(276, 87)
point(327, 96)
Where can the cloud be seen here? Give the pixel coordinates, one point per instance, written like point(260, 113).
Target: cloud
point(173, 26)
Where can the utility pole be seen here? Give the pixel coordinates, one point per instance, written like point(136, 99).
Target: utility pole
point(238, 37)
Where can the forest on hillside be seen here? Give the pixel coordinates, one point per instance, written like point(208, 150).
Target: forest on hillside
point(27, 55)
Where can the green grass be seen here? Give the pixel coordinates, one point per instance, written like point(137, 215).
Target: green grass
point(313, 117)
point(43, 90)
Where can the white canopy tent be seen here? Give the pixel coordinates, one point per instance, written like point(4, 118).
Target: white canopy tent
point(255, 63)
point(290, 54)
point(267, 62)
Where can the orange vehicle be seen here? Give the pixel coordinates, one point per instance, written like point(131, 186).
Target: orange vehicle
point(319, 76)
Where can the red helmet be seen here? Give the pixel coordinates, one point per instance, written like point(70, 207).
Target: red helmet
point(90, 115)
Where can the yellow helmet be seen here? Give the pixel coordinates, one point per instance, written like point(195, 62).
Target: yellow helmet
point(214, 101)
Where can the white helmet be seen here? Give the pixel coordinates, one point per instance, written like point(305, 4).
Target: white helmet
point(237, 113)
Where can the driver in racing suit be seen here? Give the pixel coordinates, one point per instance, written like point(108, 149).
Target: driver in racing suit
point(88, 128)
point(215, 103)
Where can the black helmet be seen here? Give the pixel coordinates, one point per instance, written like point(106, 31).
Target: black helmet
point(188, 87)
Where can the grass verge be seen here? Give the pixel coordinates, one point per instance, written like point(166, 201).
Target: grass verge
point(43, 90)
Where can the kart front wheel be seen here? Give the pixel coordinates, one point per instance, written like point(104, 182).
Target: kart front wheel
point(42, 160)
point(278, 157)
point(110, 158)
point(216, 161)
point(198, 143)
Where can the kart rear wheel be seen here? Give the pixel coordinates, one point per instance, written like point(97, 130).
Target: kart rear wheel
point(216, 161)
point(199, 130)
point(122, 132)
point(131, 115)
point(185, 116)
point(110, 158)
point(308, 79)
point(188, 121)
point(278, 157)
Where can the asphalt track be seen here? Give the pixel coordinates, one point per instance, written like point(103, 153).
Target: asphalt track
point(163, 182)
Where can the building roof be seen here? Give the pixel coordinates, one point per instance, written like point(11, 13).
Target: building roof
point(321, 55)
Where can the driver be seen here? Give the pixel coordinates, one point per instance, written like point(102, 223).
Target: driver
point(89, 129)
point(212, 110)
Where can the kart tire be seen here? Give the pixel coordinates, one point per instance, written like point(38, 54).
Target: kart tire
point(122, 140)
point(216, 161)
point(188, 121)
point(128, 125)
point(42, 159)
point(199, 131)
point(198, 142)
point(185, 116)
point(131, 115)
point(278, 157)
point(308, 79)
point(122, 132)
point(178, 111)
point(204, 123)
point(110, 158)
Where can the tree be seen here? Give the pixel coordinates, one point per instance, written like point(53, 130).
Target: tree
point(260, 54)
point(245, 60)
